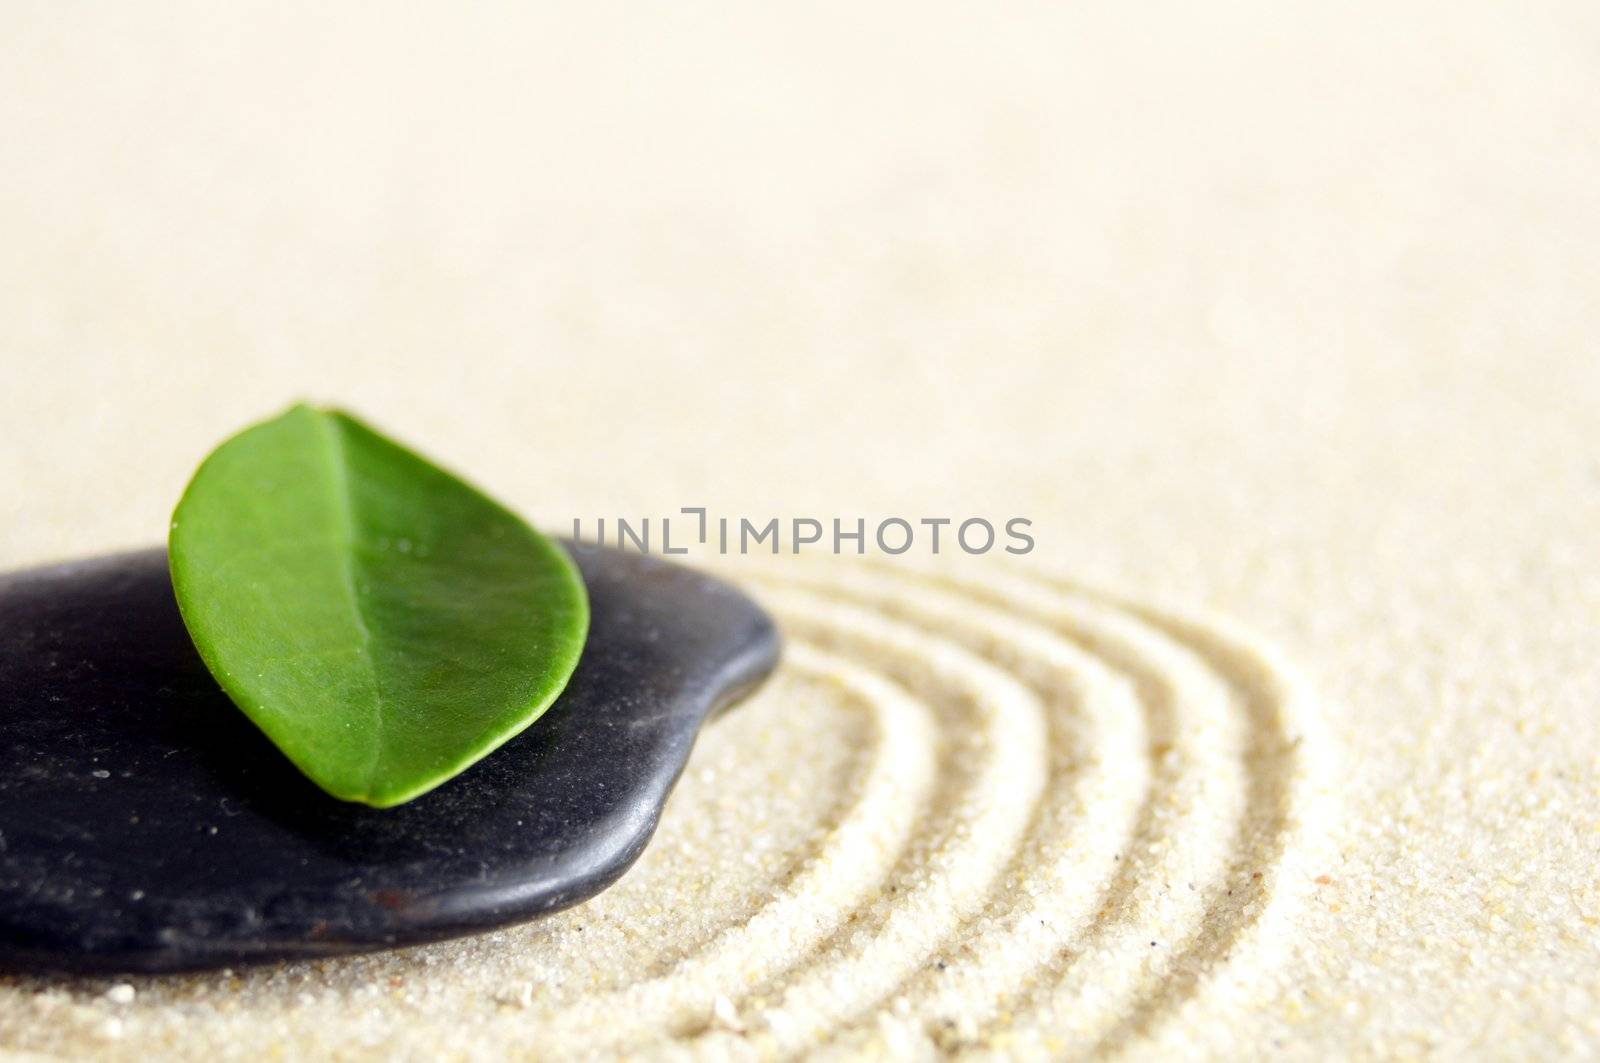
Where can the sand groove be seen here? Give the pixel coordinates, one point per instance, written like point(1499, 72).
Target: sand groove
point(1146, 845)
point(890, 799)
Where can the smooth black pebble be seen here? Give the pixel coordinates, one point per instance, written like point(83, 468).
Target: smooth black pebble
point(146, 825)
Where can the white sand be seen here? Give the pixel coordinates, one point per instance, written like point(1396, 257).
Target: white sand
point(1282, 327)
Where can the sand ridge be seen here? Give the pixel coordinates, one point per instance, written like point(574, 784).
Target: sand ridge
point(1207, 797)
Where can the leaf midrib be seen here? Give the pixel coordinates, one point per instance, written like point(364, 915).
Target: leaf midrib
point(344, 509)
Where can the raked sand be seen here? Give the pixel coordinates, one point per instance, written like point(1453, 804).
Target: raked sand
point(1280, 325)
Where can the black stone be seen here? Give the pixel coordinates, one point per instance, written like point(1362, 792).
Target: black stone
point(146, 825)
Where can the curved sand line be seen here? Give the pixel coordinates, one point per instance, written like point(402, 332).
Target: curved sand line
point(1280, 839)
point(992, 738)
point(1002, 729)
point(896, 787)
point(1286, 765)
point(1230, 784)
point(998, 763)
point(1192, 735)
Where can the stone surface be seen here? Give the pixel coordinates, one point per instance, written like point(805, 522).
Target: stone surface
point(146, 825)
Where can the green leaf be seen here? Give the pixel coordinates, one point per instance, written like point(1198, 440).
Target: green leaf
point(384, 623)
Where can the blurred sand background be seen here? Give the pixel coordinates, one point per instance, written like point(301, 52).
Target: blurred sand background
point(1286, 312)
